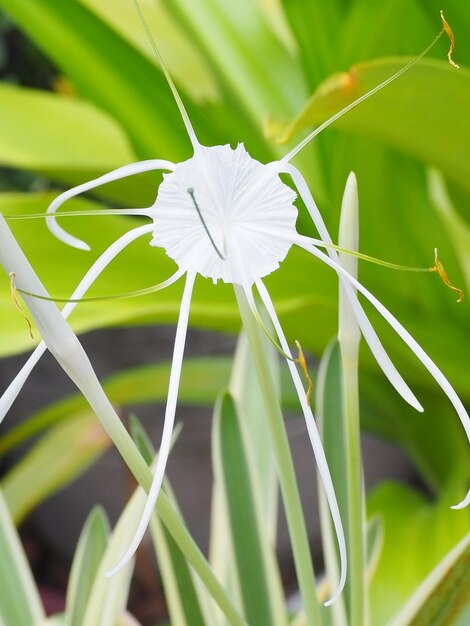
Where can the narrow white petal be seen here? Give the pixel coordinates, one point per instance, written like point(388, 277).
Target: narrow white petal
point(96, 269)
point(367, 330)
point(170, 411)
point(121, 172)
point(407, 338)
point(315, 440)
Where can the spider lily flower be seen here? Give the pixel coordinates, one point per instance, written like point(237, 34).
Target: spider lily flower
point(225, 216)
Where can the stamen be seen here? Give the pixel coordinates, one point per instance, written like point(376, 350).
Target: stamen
point(95, 212)
point(191, 193)
point(439, 268)
point(303, 364)
point(120, 296)
point(365, 257)
point(17, 304)
point(449, 32)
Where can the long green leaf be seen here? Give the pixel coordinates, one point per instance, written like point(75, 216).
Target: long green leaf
point(60, 456)
point(249, 546)
point(90, 550)
point(19, 599)
point(183, 596)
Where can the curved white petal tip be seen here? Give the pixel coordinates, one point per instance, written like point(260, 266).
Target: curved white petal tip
point(465, 502)
point(340, 589)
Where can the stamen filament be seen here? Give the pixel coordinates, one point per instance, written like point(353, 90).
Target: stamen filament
point(169, 80)
point(120, 296)
point(365, 257)
point(191, 193)
point(99, 212)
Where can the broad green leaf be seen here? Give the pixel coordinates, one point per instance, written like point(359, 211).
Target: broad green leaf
point(400, 115)
point(52, 133)
point(253, 554)
point(61, 455)
point(418, 534)
point(201, 380)
point(183, 59)
point(19, 599)
point(105, 69)
point(444, 597)
point(90, 549)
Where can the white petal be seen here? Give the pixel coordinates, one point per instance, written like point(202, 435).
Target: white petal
point(121, 172)
point(170, 411)
point(407, 338)
point(367, 330)
point(96, 269)
point(315, 440)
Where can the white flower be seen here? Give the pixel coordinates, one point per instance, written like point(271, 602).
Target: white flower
point(225, 216)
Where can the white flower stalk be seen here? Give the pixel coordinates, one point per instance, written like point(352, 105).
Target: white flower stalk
point(225, 216)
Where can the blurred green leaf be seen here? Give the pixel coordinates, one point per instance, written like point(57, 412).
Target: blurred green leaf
point(61, 455)
point(90, 550)
point(47, 132)
point(417, 535)
point(19, 599)
point(401, 115)
point(201, 380)
point(443, 599)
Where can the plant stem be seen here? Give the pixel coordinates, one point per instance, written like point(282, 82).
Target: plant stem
point(355, 525)
point(285, 466)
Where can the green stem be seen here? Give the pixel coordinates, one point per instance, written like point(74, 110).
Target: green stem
point(285, 466)
point(355, 525)
point(171, 519)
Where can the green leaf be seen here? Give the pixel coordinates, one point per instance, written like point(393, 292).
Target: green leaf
point(89, 52)
point(201, 380)
point(52, 133)
point(443, 599)
point(400, 115)
point(90, 550)
point(61, 455)
point(330, 416)
point(108, 596)
point(409, 521)
point(252, 553)
point(183, 596)
point(19, 599)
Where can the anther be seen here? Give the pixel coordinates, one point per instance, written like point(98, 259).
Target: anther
point(439, 268)
point(301, 360)
point(450, 34)
point(16, 302)
point(191, 193)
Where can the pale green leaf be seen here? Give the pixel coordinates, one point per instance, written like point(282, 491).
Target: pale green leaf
point(19, 598)
point(90, 549)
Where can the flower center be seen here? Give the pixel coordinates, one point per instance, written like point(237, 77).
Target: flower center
point(225, 216)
